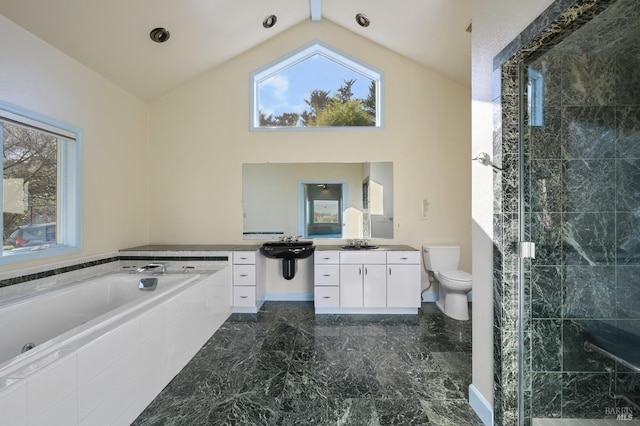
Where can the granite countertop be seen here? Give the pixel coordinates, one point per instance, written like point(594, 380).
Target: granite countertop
point(195, 247)
point(381, 247)
point(246, 247)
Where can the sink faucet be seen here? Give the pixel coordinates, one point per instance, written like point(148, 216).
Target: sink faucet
point(289, 239)
point(359, 243)
point(157, 268)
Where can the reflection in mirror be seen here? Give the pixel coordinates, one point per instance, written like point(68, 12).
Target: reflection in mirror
point(318, 200)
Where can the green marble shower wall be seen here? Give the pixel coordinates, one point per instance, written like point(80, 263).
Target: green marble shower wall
point(577, 68)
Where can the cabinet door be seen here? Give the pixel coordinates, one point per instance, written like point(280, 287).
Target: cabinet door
point(351, 286)
point(403, 286)
point(375, 286)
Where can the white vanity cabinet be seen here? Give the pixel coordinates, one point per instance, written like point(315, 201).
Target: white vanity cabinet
point(403, 279)
point(376, 281)
point(247, 294)
point(326, 279)
point(363, 283)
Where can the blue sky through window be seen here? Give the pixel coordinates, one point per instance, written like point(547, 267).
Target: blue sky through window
point(286, 90)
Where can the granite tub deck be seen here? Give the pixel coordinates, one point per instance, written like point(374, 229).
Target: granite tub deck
point(287, 366)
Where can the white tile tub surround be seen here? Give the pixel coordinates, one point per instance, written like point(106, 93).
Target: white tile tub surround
point(44, 284)
point(108, 374)
point(177, 265)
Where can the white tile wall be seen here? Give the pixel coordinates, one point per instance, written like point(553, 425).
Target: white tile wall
point(102, 415)
point(94, 392)
point(61, 414)
point(50, 384)
point(13, 402)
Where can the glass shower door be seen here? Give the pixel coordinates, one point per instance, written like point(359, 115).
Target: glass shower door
point(581, 207)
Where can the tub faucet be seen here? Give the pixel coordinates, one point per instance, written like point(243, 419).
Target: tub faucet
point(156, 268)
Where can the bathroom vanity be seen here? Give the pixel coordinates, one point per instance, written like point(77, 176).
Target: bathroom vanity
point(383, 280)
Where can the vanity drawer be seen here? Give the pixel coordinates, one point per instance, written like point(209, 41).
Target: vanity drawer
point(361, 257)
point(244, 257)
point(244, 275)
point(326, 275)
point(406, 257)
point(244, 296)
point(327, 297)
point(326, 257)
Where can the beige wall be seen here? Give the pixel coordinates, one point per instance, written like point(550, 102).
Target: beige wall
point(39, 78)
point(495, 24)
point(200, 137)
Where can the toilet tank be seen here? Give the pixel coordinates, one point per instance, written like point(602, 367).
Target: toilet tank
point(441, 258)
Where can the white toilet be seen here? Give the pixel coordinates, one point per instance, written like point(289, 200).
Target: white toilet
point(454, 284)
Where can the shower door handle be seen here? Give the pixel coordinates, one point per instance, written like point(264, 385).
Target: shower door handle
point(527, 250)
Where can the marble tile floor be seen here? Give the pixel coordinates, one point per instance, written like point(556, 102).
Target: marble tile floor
point(287, 366)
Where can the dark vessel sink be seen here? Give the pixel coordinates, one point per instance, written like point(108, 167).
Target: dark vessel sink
point(288, 250)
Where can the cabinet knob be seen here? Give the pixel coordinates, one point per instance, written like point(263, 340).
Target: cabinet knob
point(244, 275)
point(244, 297)
point(326, 297)
point(404, 258)
point(389, 270)
point(326, 275)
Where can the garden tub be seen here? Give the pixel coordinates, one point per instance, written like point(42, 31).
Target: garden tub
point(98, 351)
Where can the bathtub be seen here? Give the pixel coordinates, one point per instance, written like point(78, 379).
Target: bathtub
point(103, 349)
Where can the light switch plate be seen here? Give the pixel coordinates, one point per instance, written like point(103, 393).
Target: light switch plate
point(425, 208)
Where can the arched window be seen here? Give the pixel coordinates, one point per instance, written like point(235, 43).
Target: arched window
point(316, 87)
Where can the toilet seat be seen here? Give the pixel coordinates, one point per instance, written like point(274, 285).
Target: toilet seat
point(456, 276)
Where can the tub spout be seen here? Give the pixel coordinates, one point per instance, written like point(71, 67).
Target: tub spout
point(156, 268)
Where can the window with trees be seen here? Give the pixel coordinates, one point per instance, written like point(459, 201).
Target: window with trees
point(41, 186)
point(316, 87)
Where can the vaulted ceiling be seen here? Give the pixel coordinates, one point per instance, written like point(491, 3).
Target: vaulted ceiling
point(112, 37)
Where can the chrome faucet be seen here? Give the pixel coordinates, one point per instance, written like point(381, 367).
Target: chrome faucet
point(290, 238)
point(156, 268)
point(359, 243)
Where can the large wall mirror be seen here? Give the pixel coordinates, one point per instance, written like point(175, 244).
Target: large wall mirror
point(317, 200)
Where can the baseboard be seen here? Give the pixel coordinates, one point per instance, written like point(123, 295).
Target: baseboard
point(371, 311)
point(433, 296)
point(430, 296)
point(289, 297)
point(481, 406)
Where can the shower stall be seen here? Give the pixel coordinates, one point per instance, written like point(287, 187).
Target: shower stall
point(567, 140)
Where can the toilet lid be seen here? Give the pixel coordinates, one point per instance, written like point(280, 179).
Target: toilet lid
point(456, 275)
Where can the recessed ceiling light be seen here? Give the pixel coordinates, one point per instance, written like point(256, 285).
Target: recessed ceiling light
point(159, 35)
point(362, 20)
point(269, 21)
